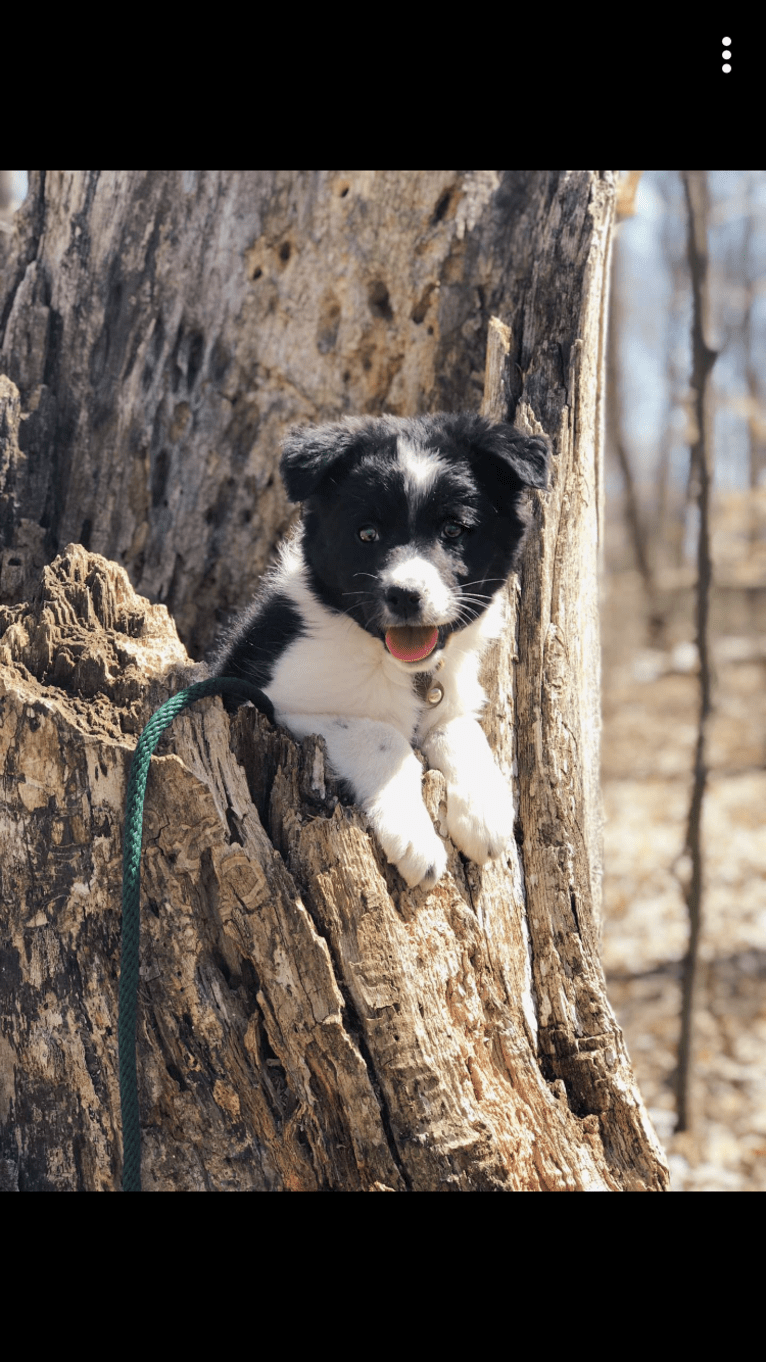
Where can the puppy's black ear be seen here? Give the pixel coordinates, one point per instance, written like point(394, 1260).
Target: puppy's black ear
point(309, 453)
point(525, 456)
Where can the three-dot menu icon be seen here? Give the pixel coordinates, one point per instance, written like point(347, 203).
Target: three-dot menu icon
point(726, 55)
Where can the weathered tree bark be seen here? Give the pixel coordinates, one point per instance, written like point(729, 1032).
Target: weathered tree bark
point(305, 1022)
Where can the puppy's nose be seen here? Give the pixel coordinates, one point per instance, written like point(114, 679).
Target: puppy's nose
point(404, 598)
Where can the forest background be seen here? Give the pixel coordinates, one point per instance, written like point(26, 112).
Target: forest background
point(650, 666)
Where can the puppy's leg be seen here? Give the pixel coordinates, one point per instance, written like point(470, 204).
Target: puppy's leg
point(386, 778)
point(479, 802)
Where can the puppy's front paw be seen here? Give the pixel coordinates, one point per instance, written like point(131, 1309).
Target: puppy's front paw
point(405, 831)
point(480, 820)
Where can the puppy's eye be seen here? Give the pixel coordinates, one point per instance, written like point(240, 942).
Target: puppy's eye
point(368, 534)
point(453, 529)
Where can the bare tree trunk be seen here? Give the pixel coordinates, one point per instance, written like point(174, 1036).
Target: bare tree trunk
point(615, 425)
point(624, 208)
point(306, 1022)
point(754, 421)
point(670, 520)
point(637, 529)
point(703, 359)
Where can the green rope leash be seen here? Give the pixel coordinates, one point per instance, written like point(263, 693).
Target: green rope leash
point(131, 888)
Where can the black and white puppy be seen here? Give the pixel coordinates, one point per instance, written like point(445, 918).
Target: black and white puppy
point(371, 628)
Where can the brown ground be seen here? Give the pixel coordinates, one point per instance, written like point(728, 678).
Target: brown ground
point(650, 711)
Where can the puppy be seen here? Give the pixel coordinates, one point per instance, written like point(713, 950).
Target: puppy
point(371, 628)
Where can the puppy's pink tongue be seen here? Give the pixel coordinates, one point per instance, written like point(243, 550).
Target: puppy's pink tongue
point(412, 643)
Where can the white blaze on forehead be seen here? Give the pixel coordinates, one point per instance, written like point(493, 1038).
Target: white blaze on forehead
point(418, 574)
point(421, 466)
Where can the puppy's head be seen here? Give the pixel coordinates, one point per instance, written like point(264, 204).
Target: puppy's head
point(412, 525)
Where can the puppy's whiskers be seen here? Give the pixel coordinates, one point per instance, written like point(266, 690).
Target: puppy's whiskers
point(355, 604)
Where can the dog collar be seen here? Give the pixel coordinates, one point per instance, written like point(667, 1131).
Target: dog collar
point(432, 692)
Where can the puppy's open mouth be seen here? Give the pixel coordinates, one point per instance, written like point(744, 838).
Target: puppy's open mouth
point(411, 643)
